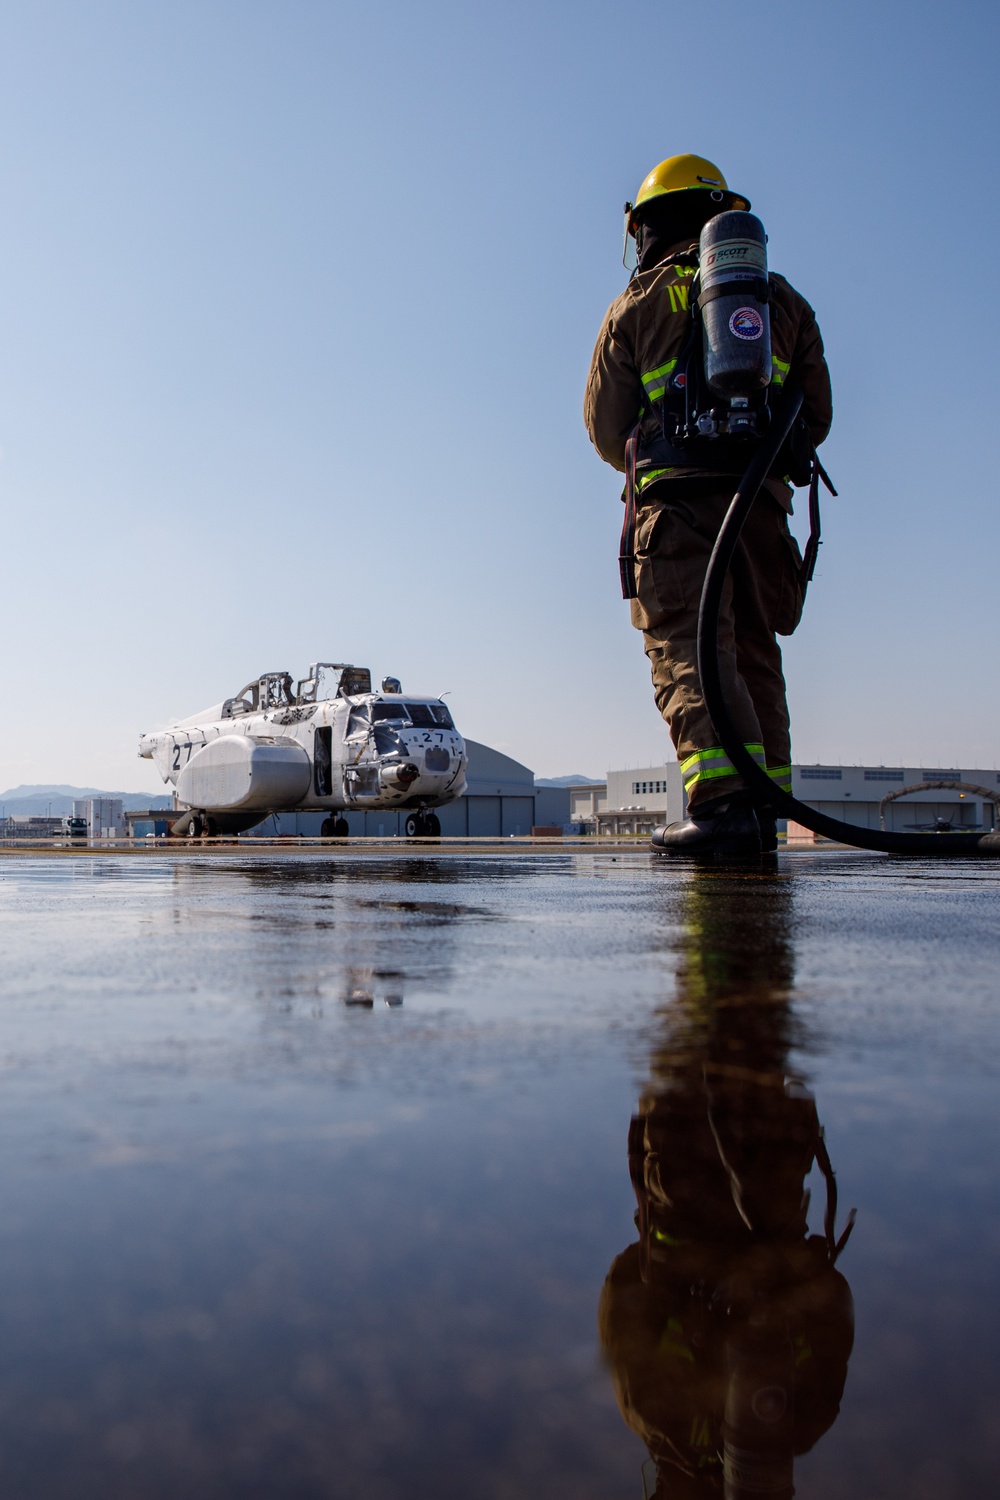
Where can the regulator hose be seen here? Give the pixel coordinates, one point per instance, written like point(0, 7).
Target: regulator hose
point(949, 845)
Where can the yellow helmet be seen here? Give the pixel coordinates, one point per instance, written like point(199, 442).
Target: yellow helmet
point(684, 174)
point(681, 175)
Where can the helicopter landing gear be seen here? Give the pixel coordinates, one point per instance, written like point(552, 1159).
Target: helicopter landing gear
point(201, 826)
point(422, 825)
point(334, 828)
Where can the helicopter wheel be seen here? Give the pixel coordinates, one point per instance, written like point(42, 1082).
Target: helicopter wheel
point(341, 828)
point(422, 825)
point(196, 827)
point(327, 828)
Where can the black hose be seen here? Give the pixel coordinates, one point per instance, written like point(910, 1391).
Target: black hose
point(951, 845)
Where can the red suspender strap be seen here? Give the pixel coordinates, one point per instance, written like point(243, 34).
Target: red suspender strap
point(626, 547)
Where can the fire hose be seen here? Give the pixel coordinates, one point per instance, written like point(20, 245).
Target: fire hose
point(949, 845)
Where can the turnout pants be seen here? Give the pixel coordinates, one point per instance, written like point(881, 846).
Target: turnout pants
point(763, 597)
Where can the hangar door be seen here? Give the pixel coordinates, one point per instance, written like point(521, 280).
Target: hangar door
point(518, 814)
point(484, 817)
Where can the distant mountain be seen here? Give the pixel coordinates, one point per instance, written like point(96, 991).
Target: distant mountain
point(57, 800)
point(54, 790)
point(569, 781)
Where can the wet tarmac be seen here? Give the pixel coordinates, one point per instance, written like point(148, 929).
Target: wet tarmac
point(392, 1175)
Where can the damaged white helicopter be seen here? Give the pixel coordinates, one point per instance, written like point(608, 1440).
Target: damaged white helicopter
point(330, 744)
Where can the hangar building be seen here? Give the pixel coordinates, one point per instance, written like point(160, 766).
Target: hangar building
point(635, 800)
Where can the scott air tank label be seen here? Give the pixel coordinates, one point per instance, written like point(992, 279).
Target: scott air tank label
point(733, 260)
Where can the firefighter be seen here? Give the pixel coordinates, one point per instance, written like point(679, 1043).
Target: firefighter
point(636, 372)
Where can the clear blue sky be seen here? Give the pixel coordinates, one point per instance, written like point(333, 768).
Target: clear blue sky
point(296, 306)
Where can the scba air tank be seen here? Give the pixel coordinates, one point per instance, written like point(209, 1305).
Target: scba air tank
point(736, 328)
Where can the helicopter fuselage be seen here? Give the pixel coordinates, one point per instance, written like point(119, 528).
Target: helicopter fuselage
point(271, 749)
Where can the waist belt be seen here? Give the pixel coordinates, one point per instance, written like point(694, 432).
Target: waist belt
point(723, 455)
point(725, 458)
point(661, 454)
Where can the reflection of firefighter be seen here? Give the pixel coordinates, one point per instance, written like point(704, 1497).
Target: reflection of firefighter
point(727, 1327)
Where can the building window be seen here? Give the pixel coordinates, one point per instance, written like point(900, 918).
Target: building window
point(883, 775)
point(941, 775)
point(821, 773)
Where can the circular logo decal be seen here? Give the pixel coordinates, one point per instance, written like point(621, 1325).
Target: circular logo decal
point(770, 1403)
point(746, 323)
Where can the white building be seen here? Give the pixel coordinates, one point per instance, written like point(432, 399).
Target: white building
point(638, 799)
point(104, 815)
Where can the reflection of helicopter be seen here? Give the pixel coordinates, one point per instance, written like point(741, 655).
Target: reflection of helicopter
point(328, 745)
point(727, 1326)
point(363, 986)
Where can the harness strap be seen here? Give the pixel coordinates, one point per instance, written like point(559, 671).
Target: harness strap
point(817, 472)
point(626, 547)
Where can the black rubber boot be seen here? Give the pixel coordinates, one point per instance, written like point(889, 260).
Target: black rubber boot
point(767, 823)
point(725, 827)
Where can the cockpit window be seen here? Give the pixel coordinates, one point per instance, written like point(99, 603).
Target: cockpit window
point(421, 715)
point(429, 716)
point(397, 710)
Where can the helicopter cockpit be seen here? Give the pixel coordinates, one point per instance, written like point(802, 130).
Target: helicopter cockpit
point(332, 679)
point(269, 691)
point(273, 690)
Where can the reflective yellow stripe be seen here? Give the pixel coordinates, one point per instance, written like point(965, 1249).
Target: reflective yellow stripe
point(712, 774)
point(655, 381)
point(649, 476)
point(678, 298)
point(660, 370)
point(779, 369)
point(701, 1433)
point(710, 765)
point(782, 775)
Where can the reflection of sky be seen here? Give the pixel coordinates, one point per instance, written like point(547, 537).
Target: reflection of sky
point(253, 1236)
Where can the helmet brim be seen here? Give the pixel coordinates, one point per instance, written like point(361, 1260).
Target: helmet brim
point(725, 197)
